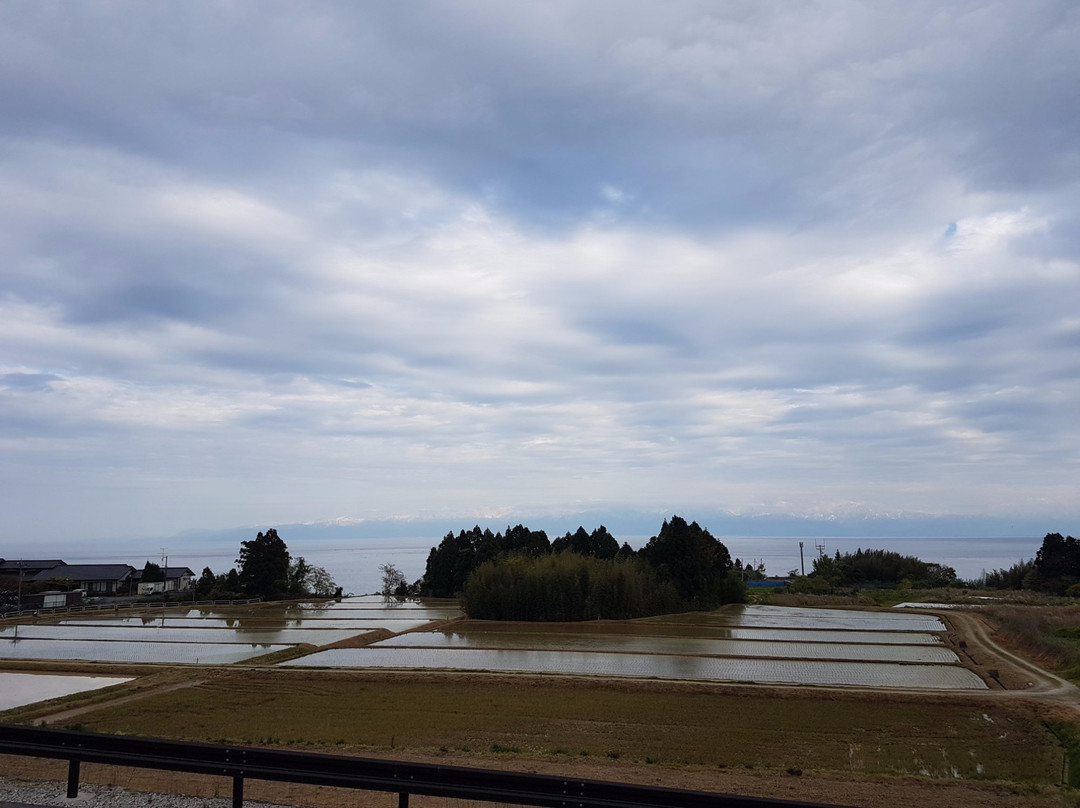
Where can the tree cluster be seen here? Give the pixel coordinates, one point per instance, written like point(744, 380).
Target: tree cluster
point(1057, 565)
point(567, 586)
point(519, 575)
point(456, 557)
point(1021, 575)
point(880, 568)
point(267, 571)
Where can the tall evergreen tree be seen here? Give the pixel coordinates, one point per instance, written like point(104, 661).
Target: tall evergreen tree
point(264, 566)
point(692, 559)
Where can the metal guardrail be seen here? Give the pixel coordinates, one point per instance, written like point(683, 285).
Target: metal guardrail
point(404, 779)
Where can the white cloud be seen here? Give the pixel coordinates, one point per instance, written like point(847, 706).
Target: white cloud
point(609, 253)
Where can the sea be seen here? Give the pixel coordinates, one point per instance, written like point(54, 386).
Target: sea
point(355, 563)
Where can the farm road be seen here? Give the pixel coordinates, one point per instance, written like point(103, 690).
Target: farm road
point(1021, 677)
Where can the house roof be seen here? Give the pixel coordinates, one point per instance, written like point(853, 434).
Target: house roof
point(87, 572)
point(170, 573)
point(14, 565)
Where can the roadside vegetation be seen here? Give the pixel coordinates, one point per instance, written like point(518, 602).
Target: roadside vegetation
point(1047, 634)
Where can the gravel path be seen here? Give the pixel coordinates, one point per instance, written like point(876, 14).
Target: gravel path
point(53, 793)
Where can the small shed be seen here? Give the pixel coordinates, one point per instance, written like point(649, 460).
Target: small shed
point(52, 599)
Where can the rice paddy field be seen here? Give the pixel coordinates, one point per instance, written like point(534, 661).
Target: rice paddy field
point(210, 635)
point(766, 644)
point(888, 696)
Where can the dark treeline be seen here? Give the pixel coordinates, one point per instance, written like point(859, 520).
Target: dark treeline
point(521, 575)
point(1015, 577)
point(880, 568)
point(567, 586)
point(1055, 569)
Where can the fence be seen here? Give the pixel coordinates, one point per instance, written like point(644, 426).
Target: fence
point(404, 779)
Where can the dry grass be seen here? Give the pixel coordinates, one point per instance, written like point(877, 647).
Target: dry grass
point(635, 722)
point(784, 598)
point(1049, 635)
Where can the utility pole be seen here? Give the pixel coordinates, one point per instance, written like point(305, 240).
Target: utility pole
point(19, 604)
point(802, 559)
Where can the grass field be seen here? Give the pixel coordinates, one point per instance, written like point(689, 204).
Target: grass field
point(645, 722)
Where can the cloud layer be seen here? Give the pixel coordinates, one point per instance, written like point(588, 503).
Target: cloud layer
point(271, 263)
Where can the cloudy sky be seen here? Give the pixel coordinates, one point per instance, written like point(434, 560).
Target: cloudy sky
point(268, 262)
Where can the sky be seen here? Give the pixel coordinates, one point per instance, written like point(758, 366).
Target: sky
point(269, 262)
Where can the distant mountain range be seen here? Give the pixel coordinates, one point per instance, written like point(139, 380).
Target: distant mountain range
point(645, 523)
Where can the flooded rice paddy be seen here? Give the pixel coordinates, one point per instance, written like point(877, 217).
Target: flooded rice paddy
point(687, 646)
point(744, 643)
point(774, 671)
point(136, 651)
point(169, 634)
point(211, 635)
point(19, 689)
point(811, 619)
point(741, 643)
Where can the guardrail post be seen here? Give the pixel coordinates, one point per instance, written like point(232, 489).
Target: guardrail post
point(238, 791)
point(73, 779)
point(403, 799)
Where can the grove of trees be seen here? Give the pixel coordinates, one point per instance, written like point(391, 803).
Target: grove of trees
point(1056, 568)
point(880, 568)
point(520, 575)
point(267, 571)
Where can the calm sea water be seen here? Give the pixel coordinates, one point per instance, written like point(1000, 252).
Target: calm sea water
point(354, 563)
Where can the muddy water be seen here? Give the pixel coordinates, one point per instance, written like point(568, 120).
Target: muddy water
point(19, 689)
point(175, 652)
point(674, 645)
point(791, 617)
point(169, 633)
point(863, 674)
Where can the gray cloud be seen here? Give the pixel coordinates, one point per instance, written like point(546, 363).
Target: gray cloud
point(315, 261)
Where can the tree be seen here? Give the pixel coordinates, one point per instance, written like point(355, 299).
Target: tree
point(264, 566)
point(529, 542)
point(308, 580)
point(204, 587)
point(298, 573)
point(152, 573)
point(230, 581)
point(693, 560)
point(1057, 563)
point(393, 581)
point(320, 584)
point(598, 544)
